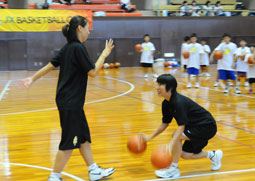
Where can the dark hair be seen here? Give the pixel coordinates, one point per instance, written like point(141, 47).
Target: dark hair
point(146, 35)
point(218, 2)
point(193, 35)
point(194, 1)
point(169, 81)
point(184, 2)
point(207, 2)
point(226, 35)
point(186, 38)
point(69, 30)
point(203, 39)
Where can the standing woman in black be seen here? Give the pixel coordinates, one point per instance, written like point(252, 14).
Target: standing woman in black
point(75, 67)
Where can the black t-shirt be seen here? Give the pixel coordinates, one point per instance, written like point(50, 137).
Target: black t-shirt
point(75, 64)
point(185, 111)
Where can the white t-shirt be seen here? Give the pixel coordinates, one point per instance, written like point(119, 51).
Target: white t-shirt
point(183, 10)
point(205, 56)
point(195, 49)
point(146, 56)
point(251, 68)
point(241, 65)
point(185, 46)
point(228, 55)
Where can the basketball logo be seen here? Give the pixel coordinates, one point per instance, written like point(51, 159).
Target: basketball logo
point(75, 140)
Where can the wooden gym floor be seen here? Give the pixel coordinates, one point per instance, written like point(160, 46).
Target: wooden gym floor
point(120, 103)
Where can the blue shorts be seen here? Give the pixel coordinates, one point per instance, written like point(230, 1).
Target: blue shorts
point(226, 74)
point(193, 71)
point(238, 72)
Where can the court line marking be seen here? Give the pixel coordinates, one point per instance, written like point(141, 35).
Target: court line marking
point(6, 88)
point(132, 87)
point(205, 174)
point(42, 168)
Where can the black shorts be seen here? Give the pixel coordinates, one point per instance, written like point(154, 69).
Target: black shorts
point(147, 65)
point(75, 129)
point(185, 66)
point(199, 136)
point(203, 65)
point(251, 80)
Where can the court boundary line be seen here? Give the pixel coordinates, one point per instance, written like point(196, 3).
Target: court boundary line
point(204, 174)
point(42, 168)
point(132, 87)
point(5, 89)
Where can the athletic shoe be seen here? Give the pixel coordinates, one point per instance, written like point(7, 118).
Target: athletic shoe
point(237, 91)
point(246, 84)
point(207, 75)
point(155, 75)
point(201, 75)
point(146, 76)
point(216, 160)
point(100, 173)
point(230, 83)
point(170, 172)
point(238, 83)
point(250, 91)
point(54, 179)
point(226, 90)
point(189, 85)
point(197, 85)
point(216, 84)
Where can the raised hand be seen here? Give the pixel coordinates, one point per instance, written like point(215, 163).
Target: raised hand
point(108, 48)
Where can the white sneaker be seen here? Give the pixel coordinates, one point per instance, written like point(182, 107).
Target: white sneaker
point(207, 75)
point(216, 160)
point(237, 91)
point(238, 83)
point(146, 76)
point(189, 85)
point(54, 179)
point(100, 173)
point(155, 75)
point(170, 172)
point(230, 83)
point(226, 90)
point(197, 85)
point(246, 84)
point(216, 84)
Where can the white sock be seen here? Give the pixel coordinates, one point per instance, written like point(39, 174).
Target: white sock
point(210, 154)
point(93, 166)
point(175, 165)
point(55, 175)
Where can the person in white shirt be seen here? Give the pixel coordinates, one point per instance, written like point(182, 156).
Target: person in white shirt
point(195, 51)
point(194, 9)
point(184, 9)
point(205, 59)
point(251, 69)
point(127, 5)
point(208, 9)
point(242, 67)
point(226, 64)
point(147, 60)
point(184, 61)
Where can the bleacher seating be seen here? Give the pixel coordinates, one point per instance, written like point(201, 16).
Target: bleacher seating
point(223, 2)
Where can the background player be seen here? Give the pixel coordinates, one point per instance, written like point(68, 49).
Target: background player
point(251, 69)
point(147, 60)
point(184, 61)
point(205, 59)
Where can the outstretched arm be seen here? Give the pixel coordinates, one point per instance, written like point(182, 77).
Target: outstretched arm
point(160, 129)
point(27, 82)
point(106, 52)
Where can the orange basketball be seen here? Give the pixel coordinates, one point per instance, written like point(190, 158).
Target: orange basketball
point(185, 54)
point(136, 144)
point(166, 64)
point(138, 47)
point(117, 64)
point(250, 60)
point(218, 55)
point(161, 157)
point(112, 65)
point(242, 57)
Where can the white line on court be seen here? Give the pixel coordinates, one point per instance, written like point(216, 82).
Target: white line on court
point(132, 87)
point(206, 174)
point(5, 89)
point(42, 168)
